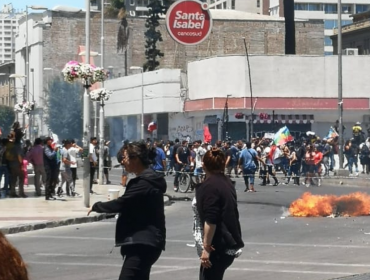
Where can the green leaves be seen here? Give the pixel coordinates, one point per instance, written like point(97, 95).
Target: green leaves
point(65, 108)
point(7, 118)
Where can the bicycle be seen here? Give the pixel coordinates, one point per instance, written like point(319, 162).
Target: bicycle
point(184, 179)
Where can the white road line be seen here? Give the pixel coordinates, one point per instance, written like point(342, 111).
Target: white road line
point(174, 268)
point(236, 260)
point(190, 241)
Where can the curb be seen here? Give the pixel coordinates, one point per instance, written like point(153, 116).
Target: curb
point(66, 222)
point(53, 224)
point(347, 182)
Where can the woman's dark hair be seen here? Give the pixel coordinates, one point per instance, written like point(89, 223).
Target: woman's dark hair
point(140, 150)
point(214, 161)
point(12, 265)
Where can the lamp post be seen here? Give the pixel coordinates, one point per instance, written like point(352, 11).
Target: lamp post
point(86, 114)
point(142, 98)
point(340, 86)
point(19, 76)
point(101, 111)
point(251, 92)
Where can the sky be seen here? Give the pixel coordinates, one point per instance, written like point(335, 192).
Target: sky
point(21, 4)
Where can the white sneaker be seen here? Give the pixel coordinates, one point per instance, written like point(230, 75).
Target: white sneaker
point(319, 183)
point(308, 185)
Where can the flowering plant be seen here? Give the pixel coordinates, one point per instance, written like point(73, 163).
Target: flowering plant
point(86, 72)
point(71, 71)
point(100, 94)
point(25, 107)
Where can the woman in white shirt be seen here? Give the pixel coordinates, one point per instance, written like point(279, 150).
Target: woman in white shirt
point(73, 151)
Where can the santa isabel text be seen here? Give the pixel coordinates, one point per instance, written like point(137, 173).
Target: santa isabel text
point(189, 21)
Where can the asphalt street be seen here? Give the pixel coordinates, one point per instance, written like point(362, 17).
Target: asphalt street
point(276, 246)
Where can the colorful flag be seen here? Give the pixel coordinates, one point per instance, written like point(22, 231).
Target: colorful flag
point(331, 134)
point(152, 126)
point(207, 137)
point(282, 136)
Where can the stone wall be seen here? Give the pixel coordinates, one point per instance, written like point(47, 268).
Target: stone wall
point(67, 33)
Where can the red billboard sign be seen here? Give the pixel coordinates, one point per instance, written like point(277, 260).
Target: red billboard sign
point(189, 22)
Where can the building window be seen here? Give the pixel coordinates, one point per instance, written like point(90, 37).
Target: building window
point(331, 8)
point(328, 41)
point(314, 7)
point(333, 23)
point(258, 3)
point(362, 8)
point(301, 7)
point(366, 46)
point(328, 53)
point(346, 9)
point(132, 2)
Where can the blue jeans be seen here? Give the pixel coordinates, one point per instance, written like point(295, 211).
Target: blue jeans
point(350, 161)
point(4, 171)
point(332, 160)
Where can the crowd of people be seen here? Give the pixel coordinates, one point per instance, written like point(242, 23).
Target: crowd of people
point(54, 165)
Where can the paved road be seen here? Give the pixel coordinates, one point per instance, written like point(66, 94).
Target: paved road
point(275, 247)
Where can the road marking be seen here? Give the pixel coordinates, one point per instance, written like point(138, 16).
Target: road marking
point(174, 268)
point(190, 241)
point(236, 260)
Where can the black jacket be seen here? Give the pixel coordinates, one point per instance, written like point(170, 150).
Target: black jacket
point(141, 211)
point(217, 204)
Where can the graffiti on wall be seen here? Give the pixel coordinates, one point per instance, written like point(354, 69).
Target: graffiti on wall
point(182, 132)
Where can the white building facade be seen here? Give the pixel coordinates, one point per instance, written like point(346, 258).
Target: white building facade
point(326, 10)
point(297, 91)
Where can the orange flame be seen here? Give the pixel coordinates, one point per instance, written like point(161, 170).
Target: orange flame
point(353, 204)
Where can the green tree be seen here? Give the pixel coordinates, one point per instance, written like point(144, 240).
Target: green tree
point(152, 35)
point(7, 117)
point(65, 109)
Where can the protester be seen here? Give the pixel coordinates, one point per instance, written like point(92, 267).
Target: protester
point(310, 163)
point(365, 157)
point(248, 162)
point(36, 157)
point(14, 157)
point(51, 168)
point(183, 158)
point(199, 154)
point(4, 172)
point(124, 176)
point(219, 218)
point(93, 161)
point(73, 151)
point(66, 172)
point(140, 229)
point(159, 163)
point(12, 266)
point(349, 153)
point(107, 162)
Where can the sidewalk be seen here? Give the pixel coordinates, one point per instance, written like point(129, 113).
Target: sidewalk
point(32, 213)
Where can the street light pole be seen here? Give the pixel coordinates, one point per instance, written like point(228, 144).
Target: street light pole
point(142, 103)
point(340, 86)
point(86, 114)
point(251, 92)
point(101, 112)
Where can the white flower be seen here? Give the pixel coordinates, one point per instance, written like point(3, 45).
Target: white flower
point(100, 94)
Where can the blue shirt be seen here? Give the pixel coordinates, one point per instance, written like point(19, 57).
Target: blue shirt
point(246, 157)
point(157, 165)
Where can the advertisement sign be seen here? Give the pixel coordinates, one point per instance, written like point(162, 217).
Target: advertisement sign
point(189, 22)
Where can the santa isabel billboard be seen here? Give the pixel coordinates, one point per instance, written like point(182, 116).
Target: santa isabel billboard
point(189, 22)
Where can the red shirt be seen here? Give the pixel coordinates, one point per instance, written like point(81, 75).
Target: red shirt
point(310, 158)
point(318, 157)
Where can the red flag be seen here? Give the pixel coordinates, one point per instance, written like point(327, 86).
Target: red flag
point(207, 137)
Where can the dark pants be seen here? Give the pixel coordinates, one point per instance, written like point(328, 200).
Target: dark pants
point(178, 168)
point(92, 174)
point(16, 172)
point(51, 180)
point(4, 172)
point(138, 261)
point(220, 262)
point(74, 175)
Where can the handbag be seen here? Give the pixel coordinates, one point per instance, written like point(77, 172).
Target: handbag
point(255, 160)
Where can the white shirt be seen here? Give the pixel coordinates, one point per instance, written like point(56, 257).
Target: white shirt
point(73, 154)
point(92, 152)
point(199, 153)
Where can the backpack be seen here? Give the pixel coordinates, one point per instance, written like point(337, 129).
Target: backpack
point(365, 150)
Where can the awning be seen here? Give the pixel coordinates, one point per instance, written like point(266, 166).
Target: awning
point(283, 119)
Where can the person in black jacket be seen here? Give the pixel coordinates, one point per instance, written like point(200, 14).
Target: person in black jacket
point(140, 229)
point(218, 213)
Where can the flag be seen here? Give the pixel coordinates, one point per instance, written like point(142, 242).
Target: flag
point(207, 137)
point(331, 134)
point(152, 126)
point(282, 136)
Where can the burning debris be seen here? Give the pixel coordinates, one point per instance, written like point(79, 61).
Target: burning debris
point(309, 205)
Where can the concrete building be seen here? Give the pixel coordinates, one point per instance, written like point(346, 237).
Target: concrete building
point(281, 89)
point(8, 29)
point(355, 36)
point(323, 10)
point(7, 84)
